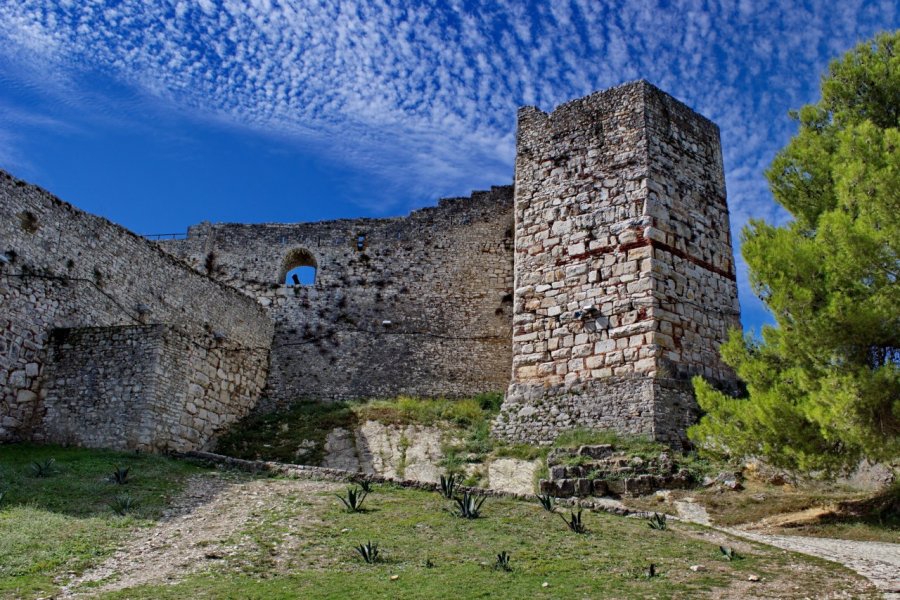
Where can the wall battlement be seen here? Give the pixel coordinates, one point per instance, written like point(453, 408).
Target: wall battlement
point(591, 290)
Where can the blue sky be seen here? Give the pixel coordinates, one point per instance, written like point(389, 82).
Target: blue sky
point(160, 114)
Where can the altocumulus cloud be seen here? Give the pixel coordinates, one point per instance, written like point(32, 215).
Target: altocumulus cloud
point(425, 93)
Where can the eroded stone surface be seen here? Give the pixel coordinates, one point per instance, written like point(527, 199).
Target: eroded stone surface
point(512, 475)
point(412, 452)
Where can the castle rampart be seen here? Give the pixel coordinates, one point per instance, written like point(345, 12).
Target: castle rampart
point(63, 268)
point(418, 305)
point(591, 290)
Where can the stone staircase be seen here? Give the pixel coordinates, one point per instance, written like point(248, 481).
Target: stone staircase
point(601, 470)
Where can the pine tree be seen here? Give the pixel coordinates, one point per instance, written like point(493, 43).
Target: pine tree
point(824, 384)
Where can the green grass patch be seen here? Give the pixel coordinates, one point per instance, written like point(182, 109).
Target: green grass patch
point(62, 522)
point(426, 552)
point(298, 435)
point(406, 410)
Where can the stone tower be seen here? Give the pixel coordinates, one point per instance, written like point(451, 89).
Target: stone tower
point(624, 271)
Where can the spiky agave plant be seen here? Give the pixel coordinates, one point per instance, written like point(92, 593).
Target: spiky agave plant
point(729, 553)
point(44, 468)
point(123, 504)
point(502, 563)
point(354, 499)
point(366, 486)
point(369, 552)
point(574, 522)
point(546, 501)
point(448, 486)
point(469, 505)
point(658, 521)
point(120, 476)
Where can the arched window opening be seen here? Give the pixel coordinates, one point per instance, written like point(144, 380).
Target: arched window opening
point(301, 276)
point(299, 268)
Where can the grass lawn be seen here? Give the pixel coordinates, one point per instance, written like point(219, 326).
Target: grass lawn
point(284, 538)
point(62, 523)
point(300, 547)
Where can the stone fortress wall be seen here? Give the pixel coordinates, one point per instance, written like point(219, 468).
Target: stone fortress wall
point(591, 291)
point(625, 280)
point(419, 305)
point(74, 281)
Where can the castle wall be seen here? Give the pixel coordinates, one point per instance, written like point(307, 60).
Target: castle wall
point(623, 267)
point(99, 384)
point(146, 387)
point(419, 305)
point(69, 269)
point(602, 282)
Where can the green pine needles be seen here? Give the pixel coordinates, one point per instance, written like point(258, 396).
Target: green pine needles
point(823, 386)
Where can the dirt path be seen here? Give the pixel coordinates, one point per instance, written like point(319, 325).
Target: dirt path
point(198, 530)
point(879, 562)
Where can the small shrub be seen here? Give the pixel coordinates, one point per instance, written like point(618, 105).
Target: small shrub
point(474, 479)
point(502, 563)
point(546, 501)
point(658, 521)
point(119, 476)
point(463, 412)
point(469, 506)
point(44, 468)
point(369, 552)
point(729, 553)
point(354, 499)
point(123, 504)
point(366, 486)
point(490, 401)
point(576, 461)
point(29, 222)
point(574, 522)
point(448, 486)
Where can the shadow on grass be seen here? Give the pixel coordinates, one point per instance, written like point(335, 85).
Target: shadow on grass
point(881, 510)
point(296, 435)
point(79, 481)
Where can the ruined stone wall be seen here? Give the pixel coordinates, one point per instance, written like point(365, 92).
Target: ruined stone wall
point(624, 272)
point(144, 387)
point(98, 384)
point(601, 282)
point(419, 305)
point(64, 268)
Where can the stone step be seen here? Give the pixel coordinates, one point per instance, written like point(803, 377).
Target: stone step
point(638, 485)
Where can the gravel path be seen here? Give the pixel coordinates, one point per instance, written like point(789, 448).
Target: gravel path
point(196, 531)
point(879, 562)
